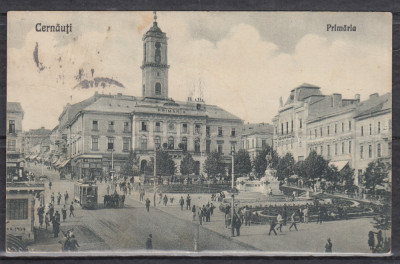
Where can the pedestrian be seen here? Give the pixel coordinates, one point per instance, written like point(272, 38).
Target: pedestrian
point(73, 244)
point(371, 240)
point(272, 227)
point(50, 184)
point(64, 213)
point(58, 198)
point(320, 215)
point(284, 215)
point(149, 242)
point(208, 213)
point(305, 214)
point(147, 204)
point(56, 226)
point(108, 189)
point(379, 237)
point(188, 199)
point(64, 241)
point(328, 246)
point(51, 212)
point(212, 207)
point(200, 213)
point(293, 218)
point(280, 222)
point(71, 210)
point(165, 200)
point(181, 202)
point(52, 198)
point(194, 212)
point(47, 220)
point(66, 197)
point(237, 224)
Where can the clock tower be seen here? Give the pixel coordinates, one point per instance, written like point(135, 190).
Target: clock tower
point(155, 63)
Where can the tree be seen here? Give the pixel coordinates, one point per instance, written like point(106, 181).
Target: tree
point(260, 162)
point(315, 167)
point(188, 165)
point(214, 165)
point(165, 164)
point(374, 174)
point(285, 167)
point(346, 176)
point(242, 163)
point(131, 166)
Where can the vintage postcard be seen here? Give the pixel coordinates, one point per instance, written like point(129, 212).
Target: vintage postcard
point(193, 133)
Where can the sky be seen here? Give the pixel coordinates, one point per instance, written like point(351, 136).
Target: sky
point(243, 61)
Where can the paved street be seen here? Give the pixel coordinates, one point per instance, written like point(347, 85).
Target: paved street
point(127, 228)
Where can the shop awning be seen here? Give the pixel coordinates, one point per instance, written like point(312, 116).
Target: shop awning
point(339, 164)
point(62, 165)
point(58, 162)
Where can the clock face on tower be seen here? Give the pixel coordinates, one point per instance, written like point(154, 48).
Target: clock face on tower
point(158, 52)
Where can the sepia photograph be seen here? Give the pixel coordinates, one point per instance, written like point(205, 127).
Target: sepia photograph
point(152, 133)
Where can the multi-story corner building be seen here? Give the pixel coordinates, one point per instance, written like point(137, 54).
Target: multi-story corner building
point(102, 130)
point(15, 151)
point(305, 102)
point(344, 131)
point(256, 137)
point(373, 122)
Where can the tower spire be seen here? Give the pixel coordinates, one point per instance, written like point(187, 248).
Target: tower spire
point(155, 16)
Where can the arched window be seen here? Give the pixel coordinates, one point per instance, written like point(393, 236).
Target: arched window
point(157, 142)
point(158, 88)
point(184, 143)
point(197, 145)
point(143, 143)
point(171, 143)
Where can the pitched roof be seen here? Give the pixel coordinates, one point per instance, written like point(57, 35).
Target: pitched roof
point(14, 107)
point(374, 104)
point(261, 128)
point(217, 112)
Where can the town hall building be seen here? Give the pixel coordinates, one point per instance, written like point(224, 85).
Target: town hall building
point(101, 131)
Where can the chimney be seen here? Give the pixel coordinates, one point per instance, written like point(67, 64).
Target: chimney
point(337, 100)
point(373, 96)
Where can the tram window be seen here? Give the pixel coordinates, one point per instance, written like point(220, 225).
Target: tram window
point(89, 191)
point(84, 191)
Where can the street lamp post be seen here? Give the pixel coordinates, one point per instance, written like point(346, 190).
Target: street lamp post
point(155, 174)
point(233, 196)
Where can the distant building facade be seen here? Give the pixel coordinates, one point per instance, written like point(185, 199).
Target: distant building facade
point(344, 131)
point(15, 148)
point(256, 137)
point(102, 130)
point(37, 137)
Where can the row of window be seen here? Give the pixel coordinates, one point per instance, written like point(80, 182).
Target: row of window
point(111, 126)
point(126, 144)
point(254, 143)
point(336, 128)
point(370, 129)
point(370, 151)
point(343, 146)
point(184, 128)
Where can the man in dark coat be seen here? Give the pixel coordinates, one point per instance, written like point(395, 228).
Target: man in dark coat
point(181, 202)
point(272, 227)
point(147, 204)
point(237, 224)
point(149, 242)
point(188, 199)
point(71, 210)
point(56, 225)
point(328, 246)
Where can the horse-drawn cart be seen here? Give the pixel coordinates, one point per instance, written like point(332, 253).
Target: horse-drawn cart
point(114, 200)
